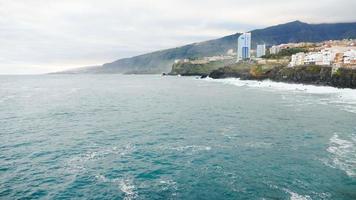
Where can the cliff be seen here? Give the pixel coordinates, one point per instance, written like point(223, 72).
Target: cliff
point(199, 69)
point(316, 75)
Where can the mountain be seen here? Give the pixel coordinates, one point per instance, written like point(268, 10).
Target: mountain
point(161, 61)
point(302, 32)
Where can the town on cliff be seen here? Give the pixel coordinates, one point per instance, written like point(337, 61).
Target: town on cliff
point(331, 63)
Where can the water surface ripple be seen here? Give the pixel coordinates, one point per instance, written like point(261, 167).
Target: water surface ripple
point(153, 137)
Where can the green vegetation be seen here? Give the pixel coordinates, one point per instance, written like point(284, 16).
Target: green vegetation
point(313, 68)
point(308, 74)
point(190, 69)
point(337, 73)
point(242, 66)
point(245, 71)
point(284, 53)
point(260, 71)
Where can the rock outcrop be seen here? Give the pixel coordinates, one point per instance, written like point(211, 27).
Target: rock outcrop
point(315, 75)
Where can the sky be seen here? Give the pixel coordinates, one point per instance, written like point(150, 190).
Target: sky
point(40, 36)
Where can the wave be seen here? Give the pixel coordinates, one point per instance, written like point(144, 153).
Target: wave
point(343, 154)
point(128, 188)
point(192, 148)
point(286, 86)
point(168, 184)
point(295, 196)
point(125, 185)
point(257, 144)
point(79, 163)
point(342, 97)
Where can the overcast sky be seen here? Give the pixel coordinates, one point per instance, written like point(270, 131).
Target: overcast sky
point(38, 36)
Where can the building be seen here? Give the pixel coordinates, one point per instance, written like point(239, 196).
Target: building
point(244, 47)
point(313, 58)
point(297, 59)
point(349, 57)
point(328, 57)
point(274, 49)
point(340, 53)
point(339, 59)
point(231, 52)
point(261, 50)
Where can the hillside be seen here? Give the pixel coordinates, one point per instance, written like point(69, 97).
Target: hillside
point(161, 61)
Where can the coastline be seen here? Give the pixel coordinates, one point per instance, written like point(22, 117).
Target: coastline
point(306, 74)
point(310, 75)
point(346, 97)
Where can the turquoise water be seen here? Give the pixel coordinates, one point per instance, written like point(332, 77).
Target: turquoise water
point(153, 137)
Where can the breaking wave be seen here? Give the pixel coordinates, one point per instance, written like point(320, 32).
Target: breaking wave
point(128, 188)
point(286, 86)
point(343, 154)
point(78, 163)
point(344, 98)
point(295, 196)
point(191, 148)
point(125, 185)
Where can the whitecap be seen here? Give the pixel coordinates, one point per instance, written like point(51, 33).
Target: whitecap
point(125, 185)
point(344, 98)
point(343, 154)
point(192, 148)
point(348, 93)
point(167, 184)
point(258, 144)
point(128, 188)
point(79, 163)
point(295, 196)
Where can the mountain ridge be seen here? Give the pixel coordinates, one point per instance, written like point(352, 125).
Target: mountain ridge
point(162, 60)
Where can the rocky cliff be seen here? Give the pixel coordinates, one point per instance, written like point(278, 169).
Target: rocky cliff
point(198, 69)
point(316, 75)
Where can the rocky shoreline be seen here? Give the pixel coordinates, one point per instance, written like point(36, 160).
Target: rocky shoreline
point(309, 74)
point(314, 75)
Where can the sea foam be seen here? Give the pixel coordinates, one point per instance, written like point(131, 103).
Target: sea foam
point(128, 188)
point(79, 163)
point(295, 196)
point(343, 154)
point(344, 98)
point(349, 93)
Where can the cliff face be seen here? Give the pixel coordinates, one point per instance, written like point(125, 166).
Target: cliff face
point(302, 74)
point(230, 72)
point(316, 75)
point(204, 69)
point(345, 78)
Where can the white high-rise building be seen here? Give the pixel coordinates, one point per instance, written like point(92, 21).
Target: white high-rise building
point(261, 50)
point(244, 47)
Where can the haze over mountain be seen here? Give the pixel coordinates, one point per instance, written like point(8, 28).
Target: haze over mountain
point(161, 61)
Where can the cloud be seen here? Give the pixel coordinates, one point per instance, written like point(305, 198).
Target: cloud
point(50, 35)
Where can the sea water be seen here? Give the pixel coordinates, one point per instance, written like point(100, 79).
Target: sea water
point(153, 137)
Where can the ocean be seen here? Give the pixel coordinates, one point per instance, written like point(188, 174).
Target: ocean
point(153, 137)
